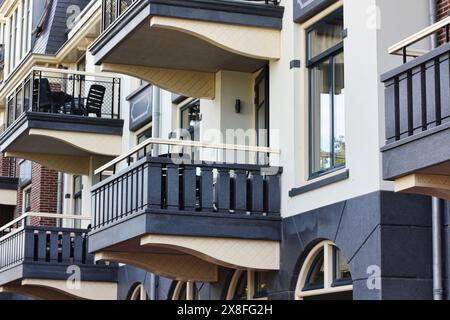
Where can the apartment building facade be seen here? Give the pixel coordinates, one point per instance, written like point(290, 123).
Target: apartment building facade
point(232, 149)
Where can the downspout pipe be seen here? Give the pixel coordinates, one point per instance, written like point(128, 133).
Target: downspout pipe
point(436, 203)
point(156, 117)
point(433, 19)
point(59, 193)
point(156, 133)
point(438, 290)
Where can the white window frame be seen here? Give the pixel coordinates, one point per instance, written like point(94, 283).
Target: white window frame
point(25, 190)
point(231, 292)
point(328, 250)
point(18, 33)
point(190, 290)
point(139, 292)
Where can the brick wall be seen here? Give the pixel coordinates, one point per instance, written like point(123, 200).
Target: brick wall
point(43, 194)
point(7, 166)
point(443, 8)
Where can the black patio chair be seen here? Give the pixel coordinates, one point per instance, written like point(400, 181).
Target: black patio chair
point(94, 100)
point(42, 95)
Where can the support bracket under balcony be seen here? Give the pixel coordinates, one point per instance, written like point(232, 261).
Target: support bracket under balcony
point(63, 163)
point(253, 42)
point(174, 266)
point(196, 84)
point(425, 184)
point(228, 252)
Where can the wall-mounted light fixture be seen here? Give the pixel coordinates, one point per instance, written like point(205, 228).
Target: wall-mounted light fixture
point(237, 106)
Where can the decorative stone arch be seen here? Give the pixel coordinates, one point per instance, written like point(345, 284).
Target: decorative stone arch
point(325, 254)
point(137, 292)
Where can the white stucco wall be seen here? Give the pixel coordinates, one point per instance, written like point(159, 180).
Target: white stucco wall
point(373, 25)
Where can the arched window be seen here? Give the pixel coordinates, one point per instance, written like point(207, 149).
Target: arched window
point(185, 291)
point(325, 274)
point(137, 292)
point(247, 285)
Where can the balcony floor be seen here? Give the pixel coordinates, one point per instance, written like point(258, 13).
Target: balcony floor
point(62, 142)
point(200, 37)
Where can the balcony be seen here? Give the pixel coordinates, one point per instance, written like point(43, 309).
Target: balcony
point(61, 119)
point(163, 212)
point(45, 257)
point(417, 97)
point(179, 45)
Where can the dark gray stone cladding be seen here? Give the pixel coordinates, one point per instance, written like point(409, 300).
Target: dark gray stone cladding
point(384, 229)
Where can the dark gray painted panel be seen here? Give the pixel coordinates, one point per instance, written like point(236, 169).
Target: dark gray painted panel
point(184, 223)
point(390, 109)
point(141, 108)
point(50, 121)
point(320, 184)
point(421, 151)
point(305, 9)
point(8, 183)
point(381, 229)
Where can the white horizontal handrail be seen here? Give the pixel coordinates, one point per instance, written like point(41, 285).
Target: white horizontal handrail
point(398, 47)
point(81, 73)
point(42, 215)
point(184, 143)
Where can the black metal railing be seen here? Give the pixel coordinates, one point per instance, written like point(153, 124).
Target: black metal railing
point(66, 92)
point(45, 245)
point(113, 9)
point(417, 95)
point(160, 184)
point(28, 239)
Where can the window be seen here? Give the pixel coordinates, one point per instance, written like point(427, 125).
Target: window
point(19, 24)
point(16, 39)
point(146, 134)
point(26, 26)
point(25, 173)
point(11, 44)
point(247, 285)
point(138, 292)
point(262, 113)
point(26, 200)
point(190, 119)
point(185, 291)
point(325, 55)
point(325, 274)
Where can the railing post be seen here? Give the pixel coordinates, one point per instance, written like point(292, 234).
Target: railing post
point(28, 244)
point(223, 190)
point(206, 189)
point(240, 191)
point(42, 245)
point(54, 247)
point(154, 185)
point(78, 248)
point(256, 192)
point(172, 187)
point(80, 80)
point(189, 187)
point(38, 102)
point(118, 100)
point(273, 194)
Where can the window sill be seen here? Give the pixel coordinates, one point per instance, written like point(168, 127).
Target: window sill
point(320, 184)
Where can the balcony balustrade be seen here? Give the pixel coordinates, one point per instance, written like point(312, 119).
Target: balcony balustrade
point(417, 102)
point(65, 92)
point(188, 192)
point(39, 250)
